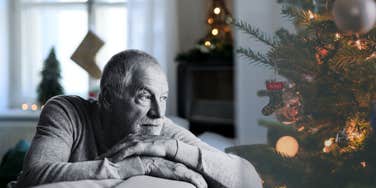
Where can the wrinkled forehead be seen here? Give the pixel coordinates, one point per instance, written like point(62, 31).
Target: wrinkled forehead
point(150, 75)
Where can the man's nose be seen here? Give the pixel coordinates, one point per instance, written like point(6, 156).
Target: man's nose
point(155, 110)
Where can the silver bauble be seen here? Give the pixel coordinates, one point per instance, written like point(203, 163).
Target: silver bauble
point(354, 16)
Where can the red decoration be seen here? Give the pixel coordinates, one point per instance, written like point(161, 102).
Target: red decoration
point(323, 52)
point(274, 85)
point(92, 94)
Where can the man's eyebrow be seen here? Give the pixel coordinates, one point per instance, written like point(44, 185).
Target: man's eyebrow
point(149, 90)
point(144, 88)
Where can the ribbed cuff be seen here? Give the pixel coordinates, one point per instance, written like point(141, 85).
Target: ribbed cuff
point(188, 155)
point(111, 169)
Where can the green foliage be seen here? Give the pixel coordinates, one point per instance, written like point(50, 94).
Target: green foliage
point(49, 85)
point(335, 75)
point(255, 33)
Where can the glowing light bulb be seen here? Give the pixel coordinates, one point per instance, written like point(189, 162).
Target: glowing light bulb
point(34, 107)
point(210, 20)
point(207, 43)
point(337, 36)
point(301, 129)
point(217, 10)
point(328, 142)
point(215, 31)
point(359, 45)
point(311, 15)
point(363, 164)
point(24, 106)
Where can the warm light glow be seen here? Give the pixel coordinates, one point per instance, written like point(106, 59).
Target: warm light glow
point(301, 129)
point(34, 107)
point(287, 146)
point(311, 15)
point(363, 164)
point(25, 106)
point(215, 31)
point(210, 20)
point(207, 43)
point(337, 36)
point(217, 10)
point(328, 142)
point(358, 44)
point(325, 150)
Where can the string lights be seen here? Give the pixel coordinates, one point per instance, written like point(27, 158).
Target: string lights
point(32, 107)
point(217, 10)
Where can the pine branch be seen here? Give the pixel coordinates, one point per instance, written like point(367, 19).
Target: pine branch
point(274, 124)
point(256, 33)
point(255, 57)
point(348, 55)
point(295, 14)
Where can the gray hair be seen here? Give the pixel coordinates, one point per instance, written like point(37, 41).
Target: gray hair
point(118, 72)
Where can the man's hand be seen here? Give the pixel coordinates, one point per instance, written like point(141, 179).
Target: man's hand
point(159, 167)
point(150, 145)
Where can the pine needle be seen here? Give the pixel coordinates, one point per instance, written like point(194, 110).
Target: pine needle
point(256, 33)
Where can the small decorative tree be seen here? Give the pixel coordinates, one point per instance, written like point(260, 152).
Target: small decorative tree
point(49, 85)
point(218, 42)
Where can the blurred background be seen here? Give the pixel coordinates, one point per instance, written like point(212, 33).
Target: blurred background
point(165, 29)
point(302, 69)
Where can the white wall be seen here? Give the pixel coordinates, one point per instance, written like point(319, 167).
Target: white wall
point(250, 78)
point(191, 22)
point(3, 54)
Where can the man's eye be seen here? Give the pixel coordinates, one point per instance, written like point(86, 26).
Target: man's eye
point(145, 96)
point(164, 98)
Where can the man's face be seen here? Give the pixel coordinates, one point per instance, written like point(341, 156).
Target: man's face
point(142, 109)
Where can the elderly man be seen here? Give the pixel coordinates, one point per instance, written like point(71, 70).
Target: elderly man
point(125, 134)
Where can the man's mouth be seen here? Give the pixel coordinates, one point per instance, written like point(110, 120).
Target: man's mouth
point(150, 129)
point(149, 125)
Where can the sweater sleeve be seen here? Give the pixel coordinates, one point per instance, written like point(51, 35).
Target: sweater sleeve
point(218, 168)
point(48, 157)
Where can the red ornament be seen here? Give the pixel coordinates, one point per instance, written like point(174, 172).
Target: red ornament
point(272, 85)
point(323, 52)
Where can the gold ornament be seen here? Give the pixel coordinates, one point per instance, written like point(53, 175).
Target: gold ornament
point(287, 146)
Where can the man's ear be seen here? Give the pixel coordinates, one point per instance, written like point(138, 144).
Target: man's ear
point(105, 98)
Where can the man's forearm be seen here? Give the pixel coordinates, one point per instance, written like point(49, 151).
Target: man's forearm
point(47, 172)
point(220, 169)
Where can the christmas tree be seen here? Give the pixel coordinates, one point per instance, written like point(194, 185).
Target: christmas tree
point(324, 135)
point(218, 42)
point(50, 86)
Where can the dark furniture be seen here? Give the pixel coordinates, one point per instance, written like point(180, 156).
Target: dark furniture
point(206, 97)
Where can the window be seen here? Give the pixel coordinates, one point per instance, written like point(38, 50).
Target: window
point(39, 25)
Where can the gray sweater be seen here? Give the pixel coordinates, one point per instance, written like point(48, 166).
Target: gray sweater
point(68, 141)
